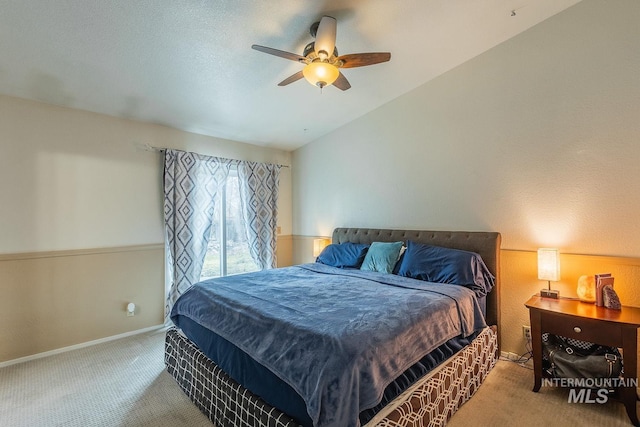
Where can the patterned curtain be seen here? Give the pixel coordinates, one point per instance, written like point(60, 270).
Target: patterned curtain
point(191, 182)
point(259, 203)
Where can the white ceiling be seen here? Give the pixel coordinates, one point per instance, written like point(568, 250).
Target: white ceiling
point(188, 64)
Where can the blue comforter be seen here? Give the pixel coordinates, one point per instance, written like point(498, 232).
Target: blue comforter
point(338, 337)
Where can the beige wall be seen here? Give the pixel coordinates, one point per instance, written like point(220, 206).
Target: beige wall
point(302, 247)
point(57, 299)
point(285, 251)
point(536, 138)
point(73, 179)
point(76, 181)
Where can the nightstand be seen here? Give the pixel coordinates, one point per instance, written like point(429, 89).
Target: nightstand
point(586, 322)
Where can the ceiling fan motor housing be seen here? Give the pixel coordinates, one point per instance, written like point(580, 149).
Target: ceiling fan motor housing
point(313, 30)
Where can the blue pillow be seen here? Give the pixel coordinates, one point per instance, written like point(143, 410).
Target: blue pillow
point(444, 265)
point(382, 257)
point(343, 255)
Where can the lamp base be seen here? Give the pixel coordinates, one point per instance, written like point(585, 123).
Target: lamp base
point(549, 293)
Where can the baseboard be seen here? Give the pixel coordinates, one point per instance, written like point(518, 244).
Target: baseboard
point(77, 346)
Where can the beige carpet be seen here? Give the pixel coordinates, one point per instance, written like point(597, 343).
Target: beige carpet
point(118, 383)
point(506, 399)
point(123, 383)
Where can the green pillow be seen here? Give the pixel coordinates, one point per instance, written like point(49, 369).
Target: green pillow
point(382, 257)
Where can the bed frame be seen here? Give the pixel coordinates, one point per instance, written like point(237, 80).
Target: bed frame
point(429, 402)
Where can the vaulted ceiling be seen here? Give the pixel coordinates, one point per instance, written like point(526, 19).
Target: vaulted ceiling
point(188, 64)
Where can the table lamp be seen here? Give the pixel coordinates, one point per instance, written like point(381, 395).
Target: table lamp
point(549, 270)
point(319, 245)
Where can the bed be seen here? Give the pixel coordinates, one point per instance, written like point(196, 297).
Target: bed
point(423, 387)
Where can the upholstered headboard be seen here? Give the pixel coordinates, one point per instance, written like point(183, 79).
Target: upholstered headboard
point(486, 244)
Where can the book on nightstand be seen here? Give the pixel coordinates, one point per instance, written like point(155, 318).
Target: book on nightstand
point(602, 280)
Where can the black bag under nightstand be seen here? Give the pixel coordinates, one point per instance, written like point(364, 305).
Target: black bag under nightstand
point(570, 358)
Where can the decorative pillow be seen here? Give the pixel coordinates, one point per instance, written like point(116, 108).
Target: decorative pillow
point(444, 265)
point(382, 257)
point(343, 255)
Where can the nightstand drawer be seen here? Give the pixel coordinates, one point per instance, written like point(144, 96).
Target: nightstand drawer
point(595, 331)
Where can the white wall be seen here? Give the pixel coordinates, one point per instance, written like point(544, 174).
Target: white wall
point(538, 138)
point(71, 179)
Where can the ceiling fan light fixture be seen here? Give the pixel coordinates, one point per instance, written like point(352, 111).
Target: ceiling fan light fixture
point(325, 36)
point(321, 59)
point(320, 74)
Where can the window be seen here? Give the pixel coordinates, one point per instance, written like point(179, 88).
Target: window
point(228, 249)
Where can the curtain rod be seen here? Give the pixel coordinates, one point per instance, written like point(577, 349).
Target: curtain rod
point(149, 147)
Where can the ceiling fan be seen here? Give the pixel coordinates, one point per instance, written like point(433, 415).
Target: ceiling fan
point(322, 60)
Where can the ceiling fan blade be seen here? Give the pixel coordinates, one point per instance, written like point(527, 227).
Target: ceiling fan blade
point(280, 53)
point(326, 37)
point(294, 78)
point(341, 82)
point(362, 59)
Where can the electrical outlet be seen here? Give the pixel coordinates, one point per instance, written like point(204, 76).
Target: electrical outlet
point(526, 331)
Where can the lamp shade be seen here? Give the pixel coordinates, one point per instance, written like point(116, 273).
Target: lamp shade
point(548, 264)
point(319, 245)
point(325, 37)
point(320, 73)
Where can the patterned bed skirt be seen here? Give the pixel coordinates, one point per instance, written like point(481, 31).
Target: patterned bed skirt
point(429, 402)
